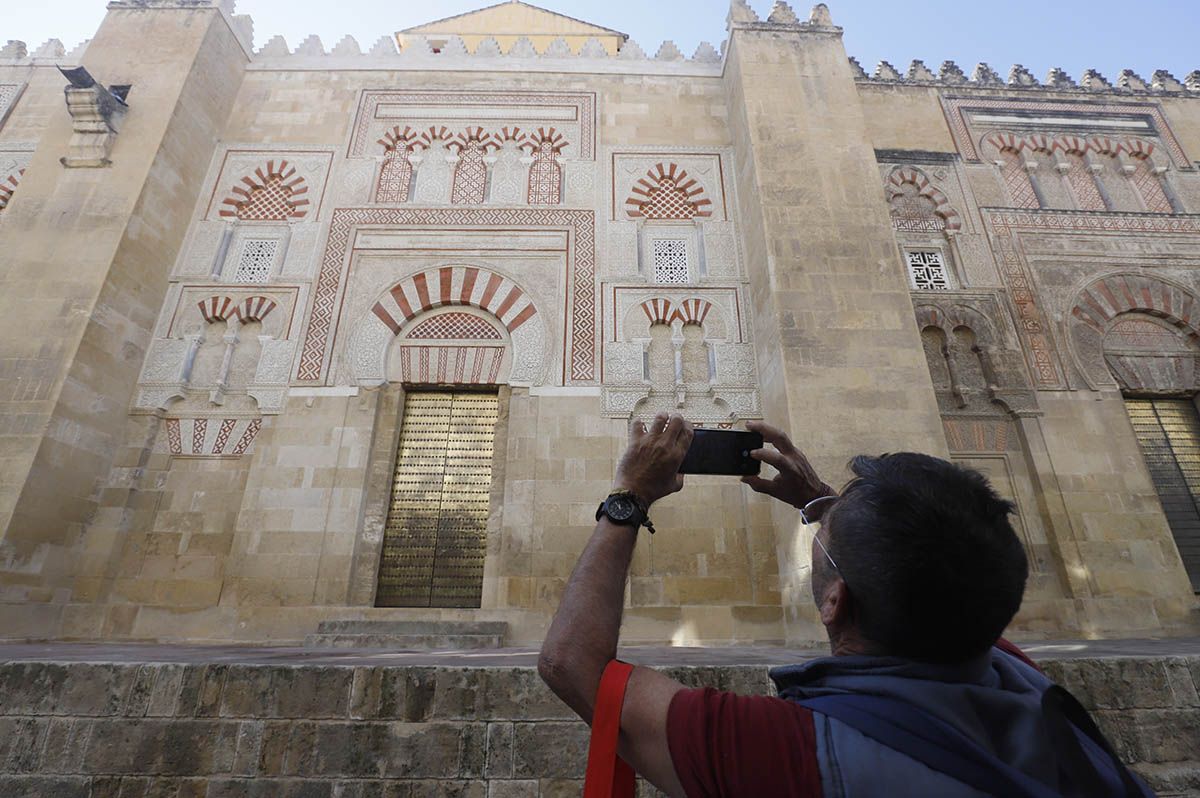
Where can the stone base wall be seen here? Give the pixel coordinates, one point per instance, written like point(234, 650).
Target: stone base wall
point(235, 731)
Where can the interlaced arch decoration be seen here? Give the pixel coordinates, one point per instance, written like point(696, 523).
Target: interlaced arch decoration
point(545, 173)
point(692, 311)
point(8, 187)
point(909, 213)
point(667, 192)
point(255, 308)
point(395, 176)
point(1136, 153)
point(470, 173)
point(274, 193)
point(224, 308)
point(658, 311)
point(1079, 175)
point(455, 285)
point(1012, 170)
point(1101, 303)
point(688, 311)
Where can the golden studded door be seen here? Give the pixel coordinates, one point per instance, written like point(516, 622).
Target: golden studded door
point(436, 534)
point(1168, 431)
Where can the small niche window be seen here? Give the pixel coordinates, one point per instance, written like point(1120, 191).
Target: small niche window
point(670, 260)
point(927, 270)
point(255, 260)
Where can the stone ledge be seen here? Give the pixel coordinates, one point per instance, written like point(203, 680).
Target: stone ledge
point(226, 729)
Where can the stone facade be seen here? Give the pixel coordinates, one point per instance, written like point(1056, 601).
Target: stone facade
point(218, 298)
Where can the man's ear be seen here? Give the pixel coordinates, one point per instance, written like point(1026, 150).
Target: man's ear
point(835, 605)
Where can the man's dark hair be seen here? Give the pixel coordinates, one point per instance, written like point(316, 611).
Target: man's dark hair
point(934, 569)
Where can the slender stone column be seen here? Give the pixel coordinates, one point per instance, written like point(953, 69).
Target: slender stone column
point(839, 354)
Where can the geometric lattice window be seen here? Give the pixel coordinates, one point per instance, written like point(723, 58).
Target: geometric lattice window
point(668, 193)
point(927, 270)
point(455, 326)
point(1168, 432)
point(435, 538)
point(670, 260)
point(256, 259)
point(273, 193)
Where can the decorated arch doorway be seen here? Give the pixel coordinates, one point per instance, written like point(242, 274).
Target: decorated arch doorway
point(435, 538)
point(1154, 364)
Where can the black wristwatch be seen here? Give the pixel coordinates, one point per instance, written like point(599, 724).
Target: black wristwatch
point(625, 508)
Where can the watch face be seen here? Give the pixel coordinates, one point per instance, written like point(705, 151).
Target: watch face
point(620, 508)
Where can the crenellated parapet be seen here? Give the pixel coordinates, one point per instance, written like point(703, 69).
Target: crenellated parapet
point(420, 52)
point(51, 52)
point(1020, 78)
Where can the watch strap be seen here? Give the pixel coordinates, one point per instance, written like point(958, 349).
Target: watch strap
point(641, 506)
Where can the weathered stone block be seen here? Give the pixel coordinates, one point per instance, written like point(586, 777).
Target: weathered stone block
point(393, 694)
point(518, 694)
point(12, 786)
point(264, 692)
point(549, 749)
point(21, 741)
point(498, 763)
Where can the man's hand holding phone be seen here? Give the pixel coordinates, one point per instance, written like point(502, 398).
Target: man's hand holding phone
point(650, 466)
point(796, 483)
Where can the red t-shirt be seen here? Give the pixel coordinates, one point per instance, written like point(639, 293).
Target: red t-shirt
point(724, 744)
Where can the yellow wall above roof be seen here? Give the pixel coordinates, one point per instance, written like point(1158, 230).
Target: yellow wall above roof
point(508, 22)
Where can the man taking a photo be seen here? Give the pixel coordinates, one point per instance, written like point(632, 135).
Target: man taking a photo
point(916, 574)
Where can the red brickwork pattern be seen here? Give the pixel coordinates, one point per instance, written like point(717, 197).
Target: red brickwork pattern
point(255, 308)
point(217, 308)
point(579, 360)
point(174, 436)
point(1149, 187)
point(457, 326)
point(905, 217)
point(200, 446)
point(692, 311)
point(658, 311)
point(666, 192)
point(223, 435)
point(248, 437)
point(455, 285)
point(199, 430)
point(1013, 172)
point(395, 178)
point(1079, 175)
point(459, 365)
point(956, 107)
point(582, 105)
point(1104, 300)
point(8, 187)
point(471, 173)
point(1006, 228)
point(396, 174)
point(545, 173)
point(274, 193)
point(977, 435)
point(223, 308)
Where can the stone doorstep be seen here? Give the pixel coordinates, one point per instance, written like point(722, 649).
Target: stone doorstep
point(399, 642)
point(413, 627)
point(409, 635)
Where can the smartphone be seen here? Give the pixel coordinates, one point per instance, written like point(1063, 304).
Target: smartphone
point(722, 451)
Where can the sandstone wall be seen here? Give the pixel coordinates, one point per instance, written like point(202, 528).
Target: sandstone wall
point(226, 731)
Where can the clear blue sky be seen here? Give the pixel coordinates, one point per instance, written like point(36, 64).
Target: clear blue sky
point(1103, 34)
